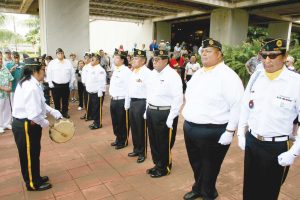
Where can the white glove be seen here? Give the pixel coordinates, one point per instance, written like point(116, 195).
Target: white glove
point(242, 142)
point(56, 114)
point(287, 158)
point(241, 138)
point(145, 115)
point(226, 138)
point(127, 104)
point(51, 85)
point(44, 123)
point(100, 93)
point(169, 123)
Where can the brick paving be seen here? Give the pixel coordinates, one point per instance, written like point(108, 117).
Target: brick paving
point(88, 168)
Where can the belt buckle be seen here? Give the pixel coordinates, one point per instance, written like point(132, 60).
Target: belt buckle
point(259, 137)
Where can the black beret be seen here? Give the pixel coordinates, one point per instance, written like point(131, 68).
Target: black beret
point(139, 53)
point(161, 53)
point(59, 50)
point(33, 61)
point(274, 45)
point(211, 43)
point(122, 54)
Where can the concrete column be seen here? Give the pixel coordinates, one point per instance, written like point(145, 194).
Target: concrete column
point(64, 24)
point(229, 26)
point(279, 30)
point(163, 31)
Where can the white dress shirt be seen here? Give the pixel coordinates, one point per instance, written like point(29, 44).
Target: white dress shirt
point(60, 72)
point(84, 72)
point(137, 83)
point(214, 97)
point(165, 89)
point(276, 103)
point(191, 68)
point(95, 79)
point(120, 81)
point(29, 102)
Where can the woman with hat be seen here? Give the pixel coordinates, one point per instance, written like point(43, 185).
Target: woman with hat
point(28, 113)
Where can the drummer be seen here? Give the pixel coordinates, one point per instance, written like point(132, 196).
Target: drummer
point(28, 113)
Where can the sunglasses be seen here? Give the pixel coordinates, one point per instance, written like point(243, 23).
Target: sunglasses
point(271, 56)
point(156, 59)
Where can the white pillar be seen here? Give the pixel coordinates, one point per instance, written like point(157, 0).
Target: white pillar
point(229, 26)
point(280, 30)
point(64, 24)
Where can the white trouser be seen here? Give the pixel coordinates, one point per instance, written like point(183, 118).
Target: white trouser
point(5, 114)
point(12, 98)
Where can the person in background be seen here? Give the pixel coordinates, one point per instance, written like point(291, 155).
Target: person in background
point(8, 57)
point(78, 73)
point(61, 75)
point(74, 87)
point(290, 60)
point(191, 67)
point(16, 70)
point(5, 105)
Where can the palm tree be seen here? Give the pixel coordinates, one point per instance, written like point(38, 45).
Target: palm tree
point(33, 36)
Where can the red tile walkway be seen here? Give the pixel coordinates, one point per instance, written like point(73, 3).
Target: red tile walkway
point(88, 168)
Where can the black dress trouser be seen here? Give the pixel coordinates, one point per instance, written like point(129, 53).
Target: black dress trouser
point(263, 176)
point(205, 155)
point(28, 140)
point(161, 138)
point(95, 107)
point(61, 93)
point(80, 93)
point(138, 126)
point(120, 121)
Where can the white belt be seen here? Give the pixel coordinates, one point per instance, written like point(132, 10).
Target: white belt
point(152, 107)
point(270, 139)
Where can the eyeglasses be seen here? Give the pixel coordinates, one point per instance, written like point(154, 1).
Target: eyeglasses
point(271, 56)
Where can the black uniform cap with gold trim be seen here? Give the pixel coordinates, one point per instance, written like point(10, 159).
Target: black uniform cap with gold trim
point(274, 45)
point(33, 61)
point(211, 43)
point(122, 54)
point(161, 53)
point(96, 56)
point(139, 53)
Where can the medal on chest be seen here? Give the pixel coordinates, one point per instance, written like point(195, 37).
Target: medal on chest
point(251, 104)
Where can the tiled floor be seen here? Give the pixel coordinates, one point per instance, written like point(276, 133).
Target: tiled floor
point(87, 167)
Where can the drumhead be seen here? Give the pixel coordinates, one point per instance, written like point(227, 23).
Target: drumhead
point(62, 131)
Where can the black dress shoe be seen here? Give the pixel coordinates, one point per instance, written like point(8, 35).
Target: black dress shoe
point(120, 146)
point(94, 127)
point(88, 119)
point(151, 170)
point(191, 196)
point(83, 117)
point(133, 154)
point(141, 159)
point(159, 173)
point(113, 144)
point(44, 186)
point(67, 116)
point(45, 179)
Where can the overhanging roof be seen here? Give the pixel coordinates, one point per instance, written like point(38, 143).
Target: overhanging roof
point(159, 10)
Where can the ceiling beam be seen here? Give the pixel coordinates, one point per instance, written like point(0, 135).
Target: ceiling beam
point(254, 3)
point(124, 12)
point(108, 14)
point(179, 15)
point(129, 7)
point(25, 5)
point(119, 19)
point(217, 3)
point(154, 3)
